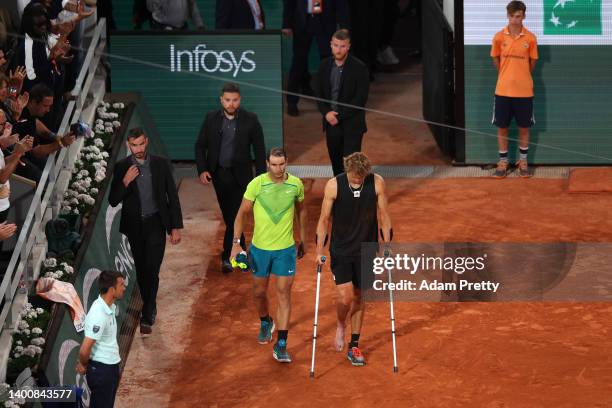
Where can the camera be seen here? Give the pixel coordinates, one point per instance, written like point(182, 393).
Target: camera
point(80, 129)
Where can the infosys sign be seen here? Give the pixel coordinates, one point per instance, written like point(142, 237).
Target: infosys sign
point(201, 58)
point(179, 76)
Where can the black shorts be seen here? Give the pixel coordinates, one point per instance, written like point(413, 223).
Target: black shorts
point(505, 108)
point(346, 269)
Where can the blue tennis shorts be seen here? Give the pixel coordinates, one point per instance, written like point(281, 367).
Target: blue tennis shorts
point(279, 262)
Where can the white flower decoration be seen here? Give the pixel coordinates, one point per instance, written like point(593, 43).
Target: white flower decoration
point(49, 263)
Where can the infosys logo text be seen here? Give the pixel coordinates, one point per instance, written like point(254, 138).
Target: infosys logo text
point(201, 58)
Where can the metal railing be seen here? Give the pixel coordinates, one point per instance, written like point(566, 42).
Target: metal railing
point(47, 198)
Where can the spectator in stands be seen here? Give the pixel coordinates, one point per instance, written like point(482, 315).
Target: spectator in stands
point(240, 14)
point(46, 141)
point(305, 21)
point(343, 79)
point(11, 101)
point(174, 14)
point(99, 354)
point(7, 167)
point(6, 28)
point(67, 19)
point(7, 137)
point(144, 185)
point(66, 29)
point(9, 164)
point(34, 50)
point(223, 156)
point(42, 54)
point(3, 61)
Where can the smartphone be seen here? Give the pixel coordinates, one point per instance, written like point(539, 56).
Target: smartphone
point(12, 92)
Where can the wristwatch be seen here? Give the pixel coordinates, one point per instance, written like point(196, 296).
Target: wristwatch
point(236, 241)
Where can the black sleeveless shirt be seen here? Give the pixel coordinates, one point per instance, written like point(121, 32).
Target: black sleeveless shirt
point(354, 218)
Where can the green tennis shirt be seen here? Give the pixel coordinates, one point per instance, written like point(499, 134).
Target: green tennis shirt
point(273, 210)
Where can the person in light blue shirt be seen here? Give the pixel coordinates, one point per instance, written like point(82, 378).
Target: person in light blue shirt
point(99, 355)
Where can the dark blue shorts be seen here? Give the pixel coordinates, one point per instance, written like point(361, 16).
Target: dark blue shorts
point(505, 108)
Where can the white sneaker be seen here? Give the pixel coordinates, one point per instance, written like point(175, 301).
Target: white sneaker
point(387, 57)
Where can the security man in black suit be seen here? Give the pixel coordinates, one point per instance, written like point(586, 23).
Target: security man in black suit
point(240, 14)
point(305, 20)
point(144, 184)
point(343, 79)
point(223, 155)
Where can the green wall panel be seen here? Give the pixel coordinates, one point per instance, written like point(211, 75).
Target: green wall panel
point(571, 106)
point(179, 100)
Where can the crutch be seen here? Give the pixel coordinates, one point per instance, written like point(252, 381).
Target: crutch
point(387, 253)
point(316, 317)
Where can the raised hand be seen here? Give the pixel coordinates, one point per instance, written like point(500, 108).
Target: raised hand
point(17, 77)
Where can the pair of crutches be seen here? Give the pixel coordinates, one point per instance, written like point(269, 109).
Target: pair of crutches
point(316, 317)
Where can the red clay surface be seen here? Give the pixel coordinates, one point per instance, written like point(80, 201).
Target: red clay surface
point(450, 355)
point(407, 138)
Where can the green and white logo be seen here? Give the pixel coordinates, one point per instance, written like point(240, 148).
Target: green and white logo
point(572, 17)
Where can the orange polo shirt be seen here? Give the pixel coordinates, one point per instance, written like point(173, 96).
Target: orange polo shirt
point(514, 79)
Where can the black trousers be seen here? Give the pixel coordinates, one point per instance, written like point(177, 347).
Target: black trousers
point(341, 143)
point(301, 49)
point(103, 381)
point(32, 167)
point(391, 13)
point(148, 250)
point(229, 195)
point(366, 24)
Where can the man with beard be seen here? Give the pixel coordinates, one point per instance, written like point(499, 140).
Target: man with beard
point(223, 156)
point(344, 86)
point(151, 209)
point(274, 198)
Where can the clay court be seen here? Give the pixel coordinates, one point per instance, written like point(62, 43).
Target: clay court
point(204, 353)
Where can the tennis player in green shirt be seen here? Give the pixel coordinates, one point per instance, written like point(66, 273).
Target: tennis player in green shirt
point(274, 198)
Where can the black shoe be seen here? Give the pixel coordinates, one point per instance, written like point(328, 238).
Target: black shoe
point(292, 110)
point(226, 266)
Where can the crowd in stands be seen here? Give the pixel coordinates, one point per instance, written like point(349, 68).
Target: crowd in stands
point(41, 54)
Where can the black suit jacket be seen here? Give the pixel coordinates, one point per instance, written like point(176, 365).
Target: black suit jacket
point(236, 14)
point(354, 88)
point(335, 15)
point(248, 134)
point(164, 190)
